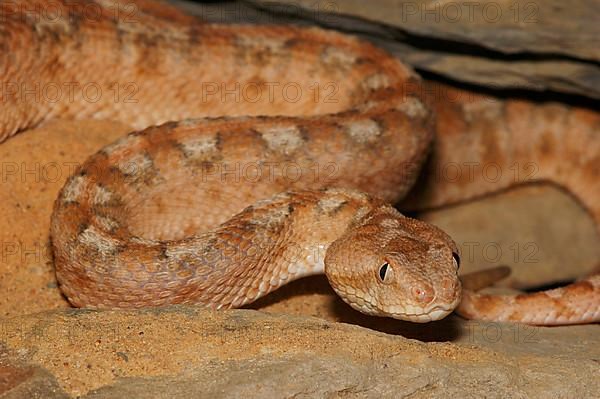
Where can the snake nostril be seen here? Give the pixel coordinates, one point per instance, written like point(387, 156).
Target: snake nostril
point(422, 294)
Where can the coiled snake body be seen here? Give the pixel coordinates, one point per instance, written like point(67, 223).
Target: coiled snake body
point(222, 209)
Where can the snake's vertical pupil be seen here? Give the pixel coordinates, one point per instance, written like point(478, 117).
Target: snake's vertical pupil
point(383, 270)
point(456, 259)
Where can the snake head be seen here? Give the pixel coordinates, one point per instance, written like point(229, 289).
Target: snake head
point(395, 266)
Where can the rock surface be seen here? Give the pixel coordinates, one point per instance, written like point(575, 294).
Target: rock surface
point(551, 27)
point(182, 351)
point(24, 381)
point(508, 44)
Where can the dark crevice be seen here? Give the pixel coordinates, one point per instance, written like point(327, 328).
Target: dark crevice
point(516, 93)
point(548, 286)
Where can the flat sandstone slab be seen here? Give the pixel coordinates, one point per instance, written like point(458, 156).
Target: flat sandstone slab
point(178, 351)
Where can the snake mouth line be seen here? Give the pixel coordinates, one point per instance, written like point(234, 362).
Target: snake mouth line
point(437, 313)
point(413, 314)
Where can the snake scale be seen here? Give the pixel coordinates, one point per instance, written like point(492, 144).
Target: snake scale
point(263, 154)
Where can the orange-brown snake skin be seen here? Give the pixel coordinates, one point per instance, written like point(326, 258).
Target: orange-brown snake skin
point(300, 140)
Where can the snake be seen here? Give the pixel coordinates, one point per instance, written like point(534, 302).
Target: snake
point(262, 154)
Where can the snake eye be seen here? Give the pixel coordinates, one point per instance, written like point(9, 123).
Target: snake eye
point(456, 259)
point(384, 271)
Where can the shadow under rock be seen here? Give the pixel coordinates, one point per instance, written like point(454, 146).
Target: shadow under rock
point(312, 296)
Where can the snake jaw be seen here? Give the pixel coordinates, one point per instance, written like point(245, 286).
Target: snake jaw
point(406, 312)
point(367, 304)
point(402, 312)
point(420, 315)
point(437, 314)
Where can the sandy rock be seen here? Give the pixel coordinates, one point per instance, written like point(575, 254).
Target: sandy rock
point(23, 381)
point(34, 167)
point(178, 351)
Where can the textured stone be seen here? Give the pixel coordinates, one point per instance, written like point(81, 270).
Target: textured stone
point(535, 46)
point(182, 351)
point(23, 381)
point(551, 27)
